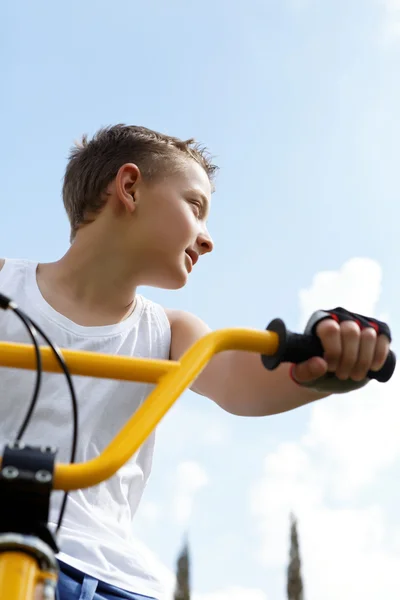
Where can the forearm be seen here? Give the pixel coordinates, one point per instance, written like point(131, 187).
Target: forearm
point(236, 380)
point(251, 390)
point(240, 384)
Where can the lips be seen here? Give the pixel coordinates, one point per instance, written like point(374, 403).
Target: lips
point(194, 257)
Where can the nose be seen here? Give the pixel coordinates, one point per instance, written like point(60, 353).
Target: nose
point(205, 243)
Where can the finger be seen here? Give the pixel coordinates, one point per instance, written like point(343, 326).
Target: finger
point(309, 370)
point(328, 332)
point(366, 353)
point(351, 334)
point(381, 352)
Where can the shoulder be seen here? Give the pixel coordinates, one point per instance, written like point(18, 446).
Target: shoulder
point(182, 318)
point(2, 261)
point(186, 329)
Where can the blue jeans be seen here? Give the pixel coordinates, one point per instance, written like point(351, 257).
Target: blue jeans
point(75, 585)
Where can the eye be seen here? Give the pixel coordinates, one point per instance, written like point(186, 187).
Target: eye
point(197, 207)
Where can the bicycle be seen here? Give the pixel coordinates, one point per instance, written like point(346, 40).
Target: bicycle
point(29, 474)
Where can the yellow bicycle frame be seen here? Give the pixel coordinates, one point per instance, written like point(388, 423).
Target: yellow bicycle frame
point(20, 574)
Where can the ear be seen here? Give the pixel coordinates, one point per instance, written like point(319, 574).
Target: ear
point(126, 182)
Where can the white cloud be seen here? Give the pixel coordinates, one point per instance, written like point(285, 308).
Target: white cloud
point(357, 436)
point(228, 593)
point(150, 511)
point(391, 20)
point(343, 427)
point(290, 482)
point(233, 593)
point(191, 477)
point(356, 286)
point(216, 434)
point(198, 428)
point(326, 474)
point(391, 6)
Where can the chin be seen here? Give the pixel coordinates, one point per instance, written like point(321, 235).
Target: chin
point(177, 283)
point(170, 281)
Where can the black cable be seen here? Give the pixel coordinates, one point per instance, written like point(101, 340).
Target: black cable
point(33, 327)
point(63, 365)
point(7, 303)
point(33, 335)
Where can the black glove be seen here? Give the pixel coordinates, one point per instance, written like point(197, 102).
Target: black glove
point(329, 383)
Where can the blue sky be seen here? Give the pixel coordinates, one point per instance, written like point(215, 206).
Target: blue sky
point(298, 100)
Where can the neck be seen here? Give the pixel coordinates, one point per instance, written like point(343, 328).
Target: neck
point(92, 277)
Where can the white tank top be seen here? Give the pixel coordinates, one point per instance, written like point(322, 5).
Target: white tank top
point(96, 536)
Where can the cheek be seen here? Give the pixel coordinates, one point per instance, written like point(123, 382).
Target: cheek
point(172, 225)
point(183, 223)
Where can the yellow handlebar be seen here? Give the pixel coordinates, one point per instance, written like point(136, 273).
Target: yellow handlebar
point(172, 378)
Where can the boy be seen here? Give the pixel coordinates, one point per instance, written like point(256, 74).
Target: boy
point(138, 203)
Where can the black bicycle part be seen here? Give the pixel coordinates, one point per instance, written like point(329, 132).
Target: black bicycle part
point(296, 348)
point(26, 483)
point(67, 374)
point(32, 326)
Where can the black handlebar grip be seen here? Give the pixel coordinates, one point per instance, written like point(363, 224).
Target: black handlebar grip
point(297, 348)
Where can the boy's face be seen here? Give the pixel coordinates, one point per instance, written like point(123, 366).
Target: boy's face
point(169, 230)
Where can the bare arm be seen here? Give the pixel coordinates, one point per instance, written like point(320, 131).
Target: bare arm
point(237, 380)
point(2, 261)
